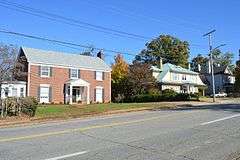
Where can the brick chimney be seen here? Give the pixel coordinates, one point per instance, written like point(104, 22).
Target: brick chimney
point(100, 54)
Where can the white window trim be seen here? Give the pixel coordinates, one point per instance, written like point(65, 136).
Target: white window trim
point(71, 73)
point(101, 76)
point(14, 89)
point(44, 85)
point(99, 87)
point(49, 70)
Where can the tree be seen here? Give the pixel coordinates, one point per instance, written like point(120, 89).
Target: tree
point(171, 49)
point(119, 74)
point(8, 55)
point(7, 62)
point(237, 76)
point(199, 59)
point(223, 59)
point(219, 58)
point(141, 79)
point(119, 69)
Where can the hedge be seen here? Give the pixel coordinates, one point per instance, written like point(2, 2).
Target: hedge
point(165, 96)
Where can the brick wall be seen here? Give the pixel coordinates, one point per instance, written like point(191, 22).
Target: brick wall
point(60, 76)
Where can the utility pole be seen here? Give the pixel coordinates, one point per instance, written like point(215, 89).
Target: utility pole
point(209, 34)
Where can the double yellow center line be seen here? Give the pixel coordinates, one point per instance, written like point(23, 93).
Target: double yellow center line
point(53, 133)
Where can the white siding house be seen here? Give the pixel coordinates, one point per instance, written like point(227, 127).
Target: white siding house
point(223, 76)
point(13, 89)
point(179, 79)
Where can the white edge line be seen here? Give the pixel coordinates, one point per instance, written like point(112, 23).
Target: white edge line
point(68, 155)
point(221, 119)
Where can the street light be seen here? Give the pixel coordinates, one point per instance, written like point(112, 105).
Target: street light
point(219, 46)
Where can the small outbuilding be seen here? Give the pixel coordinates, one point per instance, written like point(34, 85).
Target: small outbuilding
point(13, 89)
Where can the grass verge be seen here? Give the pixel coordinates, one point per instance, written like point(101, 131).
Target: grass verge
point(73, 111)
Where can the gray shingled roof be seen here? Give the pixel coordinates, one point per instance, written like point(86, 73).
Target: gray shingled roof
point(64, 59)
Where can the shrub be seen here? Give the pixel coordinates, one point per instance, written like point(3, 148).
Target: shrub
point(15, 106)
point(169, 92)
point(194, 96)
point(11, 106)
point(167, 95)
point(29, 105)
point(182, 97)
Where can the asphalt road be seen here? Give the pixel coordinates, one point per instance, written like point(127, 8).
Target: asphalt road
point(208, 133)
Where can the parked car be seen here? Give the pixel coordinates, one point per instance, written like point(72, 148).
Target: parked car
point(221, 94)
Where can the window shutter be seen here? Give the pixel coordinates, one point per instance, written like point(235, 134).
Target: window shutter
point(95, 75)
point(103, 75)
point(95, 96)
point(50, 94)
point(103, 95)
point(79, 72)
point(38, 94)
point(69, 73)
point(39, 71)
point(51, 71)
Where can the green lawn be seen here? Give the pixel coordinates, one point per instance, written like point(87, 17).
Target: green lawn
point(72, 111)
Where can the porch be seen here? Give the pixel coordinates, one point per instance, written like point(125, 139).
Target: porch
point(77, 91)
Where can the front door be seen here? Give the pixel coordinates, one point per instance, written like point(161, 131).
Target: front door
point(74, 95)
point(44, 94)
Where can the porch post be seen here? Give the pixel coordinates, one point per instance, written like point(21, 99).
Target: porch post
point(66, 94)
point(88, 93)
point(70, 95)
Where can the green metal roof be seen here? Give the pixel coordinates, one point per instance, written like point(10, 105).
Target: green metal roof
point(179, 69)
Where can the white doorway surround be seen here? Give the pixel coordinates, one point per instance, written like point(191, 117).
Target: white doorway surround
point(44, 94)
point(99, 94)
point(76, 91)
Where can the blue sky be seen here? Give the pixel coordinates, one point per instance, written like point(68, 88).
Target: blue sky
point(187, 20)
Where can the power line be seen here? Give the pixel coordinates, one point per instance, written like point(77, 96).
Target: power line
point(61, 42)
point(73, 22)
point(132, 14)
point(66, 20)
point(68, 44)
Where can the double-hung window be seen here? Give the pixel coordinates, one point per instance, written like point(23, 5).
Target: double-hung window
point(21, 92)
point(74, 73)
point(6, 91)
point(175, 76)
point(14, 92)
point(99, 75)
point(45, 71)
point(184, 77)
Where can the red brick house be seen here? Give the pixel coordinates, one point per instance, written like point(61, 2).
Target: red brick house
point(55, 77)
